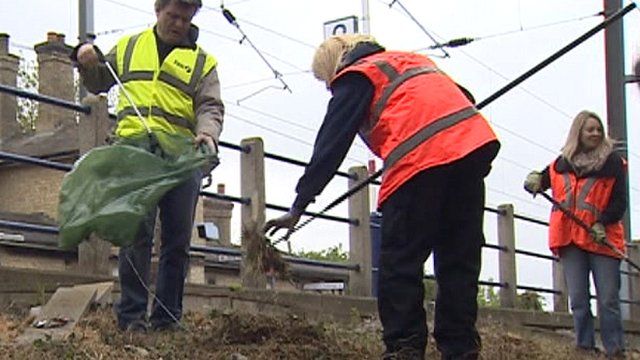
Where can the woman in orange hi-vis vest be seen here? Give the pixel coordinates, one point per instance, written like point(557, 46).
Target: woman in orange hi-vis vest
point(437, 149)
point(588, 179)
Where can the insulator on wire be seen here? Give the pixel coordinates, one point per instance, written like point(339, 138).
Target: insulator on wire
point(453, 43)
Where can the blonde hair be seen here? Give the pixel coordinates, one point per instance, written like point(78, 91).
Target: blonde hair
point(328, 56)
point(572, 145)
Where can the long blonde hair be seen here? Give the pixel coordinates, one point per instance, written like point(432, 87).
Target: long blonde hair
point(328, 56)
point(572, 146)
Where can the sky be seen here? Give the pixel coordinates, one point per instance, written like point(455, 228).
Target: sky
point(511, 36)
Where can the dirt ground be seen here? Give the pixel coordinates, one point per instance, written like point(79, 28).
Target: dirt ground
point(238, 336)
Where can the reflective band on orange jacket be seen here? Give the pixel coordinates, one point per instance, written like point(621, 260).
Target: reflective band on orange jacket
point(418, 117)
point(586, 198)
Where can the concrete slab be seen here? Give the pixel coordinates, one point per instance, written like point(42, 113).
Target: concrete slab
point(103, 292)
point(61, 314)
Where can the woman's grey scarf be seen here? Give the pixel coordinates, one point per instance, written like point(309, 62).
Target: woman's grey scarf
point(585, 162)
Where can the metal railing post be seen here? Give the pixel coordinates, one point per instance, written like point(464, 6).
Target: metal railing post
point(560, 301)
point(360, 236)
point(252, 214)
point(633, 251)
point(93, 254)
point(507, 256)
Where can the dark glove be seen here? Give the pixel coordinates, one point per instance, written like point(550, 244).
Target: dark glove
point(74, 53)
point(599, 233)
point(287, 221)
point(208, 149)
point(533, 182)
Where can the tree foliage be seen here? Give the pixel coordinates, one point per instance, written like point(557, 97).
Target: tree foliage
point(334, 253)
point(27, 111)
point(528, 300)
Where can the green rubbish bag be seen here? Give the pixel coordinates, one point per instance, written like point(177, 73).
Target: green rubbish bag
point(111, 189)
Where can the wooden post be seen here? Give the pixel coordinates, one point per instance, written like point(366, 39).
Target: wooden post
point(507, 256)
point(93, 254)
point(253, 214)
point(633, 251)
point(560, 301)
point(360, 236)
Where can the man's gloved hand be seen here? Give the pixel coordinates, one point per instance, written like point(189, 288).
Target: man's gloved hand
point(205, 142)
point(287, 221)
point(533, 182)
point(87, 55)
point(599, 233)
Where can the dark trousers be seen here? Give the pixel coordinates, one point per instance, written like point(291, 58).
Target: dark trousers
point(440, 210)
point(177, 209)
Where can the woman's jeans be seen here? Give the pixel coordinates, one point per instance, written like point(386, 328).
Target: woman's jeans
point(578, 264)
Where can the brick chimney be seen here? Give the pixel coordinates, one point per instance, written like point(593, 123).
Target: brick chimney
point(9, 126)
point(55, 76)
point(219, 213)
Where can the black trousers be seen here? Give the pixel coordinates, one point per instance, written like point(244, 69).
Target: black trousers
point(440, 210)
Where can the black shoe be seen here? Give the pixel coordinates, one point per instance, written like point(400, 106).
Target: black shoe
point(404, 353)
point(471, 355)
point(167, 326)
point(135, 326)
point(588, 351)
point(620, 354)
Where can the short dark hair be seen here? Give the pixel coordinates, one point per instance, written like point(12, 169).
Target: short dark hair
point(160, 4)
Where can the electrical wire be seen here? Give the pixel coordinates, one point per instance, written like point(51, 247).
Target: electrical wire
point(511, 195)
point(266, 29)
point(538, 27)
point(446, 54)
point(120, 30)
point(288, 122)
point(288, 136)
point(254, 82)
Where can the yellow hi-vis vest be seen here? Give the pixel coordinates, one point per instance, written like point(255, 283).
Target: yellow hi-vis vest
point(164, 92)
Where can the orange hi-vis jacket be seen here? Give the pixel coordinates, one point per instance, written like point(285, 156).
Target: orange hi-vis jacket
point(418, 118)
point(586, 198)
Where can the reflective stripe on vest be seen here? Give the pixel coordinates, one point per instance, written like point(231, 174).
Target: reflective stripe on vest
point(415, 111)
point(580, 202)
point(426, 133)
point(395, 80)
point(179, 111)
point(156, 111)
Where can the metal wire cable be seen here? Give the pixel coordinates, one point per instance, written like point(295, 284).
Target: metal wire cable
point(155, 297)
point(361, 162)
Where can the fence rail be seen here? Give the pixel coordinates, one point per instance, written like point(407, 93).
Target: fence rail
point(253, 206)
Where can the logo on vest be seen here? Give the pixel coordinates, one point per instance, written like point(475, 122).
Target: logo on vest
point(182, 66)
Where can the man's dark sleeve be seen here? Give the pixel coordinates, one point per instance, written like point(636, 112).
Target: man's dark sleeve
point(347, 109)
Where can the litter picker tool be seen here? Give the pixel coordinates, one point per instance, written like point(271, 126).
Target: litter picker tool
point(587, 228)
point(152, 139)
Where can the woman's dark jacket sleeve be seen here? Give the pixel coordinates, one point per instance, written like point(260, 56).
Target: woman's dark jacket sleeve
point(349, 106)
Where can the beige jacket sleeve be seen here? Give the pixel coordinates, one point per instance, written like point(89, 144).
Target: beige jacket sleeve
point(208, 106)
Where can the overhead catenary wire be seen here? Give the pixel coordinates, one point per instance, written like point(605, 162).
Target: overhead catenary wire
point(446, 54)
point(467, 40)
point(283, 120)
point(264, 28)
point(232, 20)
point(288, 136)
point(614, 17)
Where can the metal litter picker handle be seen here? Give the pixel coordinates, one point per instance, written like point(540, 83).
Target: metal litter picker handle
point(126, 95)
point(586, 227)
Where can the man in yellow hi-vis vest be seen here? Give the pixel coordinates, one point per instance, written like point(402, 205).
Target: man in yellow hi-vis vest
point(173, 84)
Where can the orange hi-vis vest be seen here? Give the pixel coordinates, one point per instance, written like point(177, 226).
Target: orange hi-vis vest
point(586, 198)
point(418, 118)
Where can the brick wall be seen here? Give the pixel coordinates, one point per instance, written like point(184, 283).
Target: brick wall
point(28, 189)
